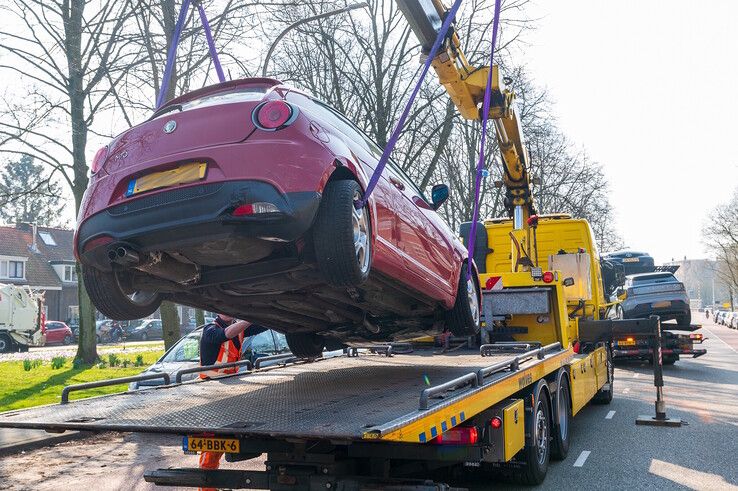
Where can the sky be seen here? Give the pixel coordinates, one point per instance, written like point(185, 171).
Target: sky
point(648, 89)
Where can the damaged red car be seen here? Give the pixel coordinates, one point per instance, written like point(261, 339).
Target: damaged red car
point(239, 198)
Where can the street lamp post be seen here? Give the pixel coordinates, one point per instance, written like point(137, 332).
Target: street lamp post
point(303, 21)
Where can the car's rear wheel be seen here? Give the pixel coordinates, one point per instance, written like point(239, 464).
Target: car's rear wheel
point(5, 343)
point(342, 235)
point(67, 339)
point(116, 302)
point(463, 318)
point(305, 345)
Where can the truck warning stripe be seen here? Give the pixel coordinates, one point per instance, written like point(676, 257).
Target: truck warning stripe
point(433, 432)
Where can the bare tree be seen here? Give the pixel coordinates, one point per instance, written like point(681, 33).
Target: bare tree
point(720, 235)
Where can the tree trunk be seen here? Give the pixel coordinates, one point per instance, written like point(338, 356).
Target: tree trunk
point(169, 324)
point(199, 317)
point(87, 341)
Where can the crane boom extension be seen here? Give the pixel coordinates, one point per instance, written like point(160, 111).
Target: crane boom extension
point(465, 85)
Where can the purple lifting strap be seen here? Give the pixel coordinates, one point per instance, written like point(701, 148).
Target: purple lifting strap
point(401, 123)
point(172, 54)
point(480, 162)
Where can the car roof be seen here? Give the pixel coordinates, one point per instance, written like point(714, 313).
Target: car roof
point(657, 274)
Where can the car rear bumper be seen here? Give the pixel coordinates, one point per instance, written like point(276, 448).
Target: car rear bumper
point(187, 216)
point(646, 309)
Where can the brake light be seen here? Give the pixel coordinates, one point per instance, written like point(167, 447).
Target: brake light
point(548, 277)
point(496, 423)
point(255, 209)
point(695, 335)
point(273, 115)
point(458, 436)
point(99, 159)
point(630, 340)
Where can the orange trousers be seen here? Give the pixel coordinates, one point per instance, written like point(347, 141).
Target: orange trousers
point(210, 461)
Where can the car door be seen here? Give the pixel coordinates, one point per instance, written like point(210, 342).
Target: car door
point(52, 332)
point(156, 329)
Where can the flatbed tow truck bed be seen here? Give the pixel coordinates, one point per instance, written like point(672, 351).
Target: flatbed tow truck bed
point(368, 406)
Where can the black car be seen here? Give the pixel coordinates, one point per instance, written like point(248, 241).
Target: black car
point(632, 262)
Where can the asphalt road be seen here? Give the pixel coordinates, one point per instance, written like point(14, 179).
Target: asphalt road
point(608, 450)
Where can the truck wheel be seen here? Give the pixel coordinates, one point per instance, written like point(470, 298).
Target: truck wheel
point(6, 345)
point(305, 344)
point(342, 235)
point(114, 301)
point(684, 320)
point(463, 318)
point(537, 451)
point(562, 418)
point(604, 396)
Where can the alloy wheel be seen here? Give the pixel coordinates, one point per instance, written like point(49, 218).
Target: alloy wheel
point(360, 221)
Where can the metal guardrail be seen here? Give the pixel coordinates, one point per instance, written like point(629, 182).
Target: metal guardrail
point(286, 357)
point(113, 381)
point(468, 379)
point(178, 375)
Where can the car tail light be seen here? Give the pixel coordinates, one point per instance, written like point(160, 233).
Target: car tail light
point(496, 423)
point(458, 436)
point(255, 209)
point(98, 160)
point(696, 336)
point(548, 277)
point(273, 115)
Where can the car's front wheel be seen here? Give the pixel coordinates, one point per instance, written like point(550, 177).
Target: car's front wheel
point(115, 301)
point(342, 235)
point(463, 318)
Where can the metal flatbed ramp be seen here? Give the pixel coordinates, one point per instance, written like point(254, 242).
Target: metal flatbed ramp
point(343, 398)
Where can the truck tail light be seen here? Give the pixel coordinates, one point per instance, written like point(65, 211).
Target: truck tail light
point(458, 436)
point(273, 115)
point(99, 159)
point(548, 277)
point(255, 209)
point(496, 423)
point(695, 336)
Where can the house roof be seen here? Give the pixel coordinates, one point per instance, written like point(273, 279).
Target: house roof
point(18, 240)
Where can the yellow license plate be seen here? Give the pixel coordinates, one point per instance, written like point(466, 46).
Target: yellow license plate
point(181, 175)
point(210, 444)
point(626, 342)
point(631, 260)
point(661, 305)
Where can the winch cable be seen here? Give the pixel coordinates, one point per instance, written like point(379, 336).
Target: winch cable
point(408, 105)
point(480, 163)
point(172, 54)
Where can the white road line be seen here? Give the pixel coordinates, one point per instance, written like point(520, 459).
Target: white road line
point(626, 390)
point(719, 339)
point(610, 415)
point(636, 375)
point(582, 458)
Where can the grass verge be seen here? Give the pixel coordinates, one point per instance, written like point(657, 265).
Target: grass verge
point(42, 384)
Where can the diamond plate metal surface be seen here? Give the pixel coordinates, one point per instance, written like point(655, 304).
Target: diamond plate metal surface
point(336, 398)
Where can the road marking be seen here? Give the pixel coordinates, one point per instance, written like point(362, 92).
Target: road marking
point(720, 339)
point(636, 375)
point(610, 415)
point(626, 390)
point(582, 458)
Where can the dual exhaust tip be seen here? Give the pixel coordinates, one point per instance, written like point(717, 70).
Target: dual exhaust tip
point(123, 255)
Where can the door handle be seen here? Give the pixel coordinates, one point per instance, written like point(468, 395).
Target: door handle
point(397, 183)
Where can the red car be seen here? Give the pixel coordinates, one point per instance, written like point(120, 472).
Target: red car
point(239, 198)
point(58, 332)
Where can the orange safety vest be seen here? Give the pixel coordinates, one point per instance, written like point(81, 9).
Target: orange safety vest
point(228, 352)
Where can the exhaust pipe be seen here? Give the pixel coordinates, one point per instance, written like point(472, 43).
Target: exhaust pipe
point(157, 264)
point(124, 256)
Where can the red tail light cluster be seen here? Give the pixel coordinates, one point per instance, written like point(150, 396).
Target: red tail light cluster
point(99, 159)
point(273, 115)
point(458, 436)
point(548, 277)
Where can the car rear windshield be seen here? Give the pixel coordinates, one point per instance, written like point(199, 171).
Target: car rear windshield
point(654, 278)
point(240, 94)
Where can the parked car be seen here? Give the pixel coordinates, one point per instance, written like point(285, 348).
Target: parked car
point(109, 331)
point(145, 330)
point(633, 262)
point(654, 294)
point(732, 320)
point(186, 353)
point(720, 317)
point(243, 194)
point(58, 332)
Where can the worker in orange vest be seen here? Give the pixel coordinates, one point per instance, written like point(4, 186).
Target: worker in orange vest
point(221, 342)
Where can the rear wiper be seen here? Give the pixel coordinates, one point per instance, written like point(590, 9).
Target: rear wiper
point(165, 110)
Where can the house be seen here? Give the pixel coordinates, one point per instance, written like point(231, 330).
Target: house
point(43, 259)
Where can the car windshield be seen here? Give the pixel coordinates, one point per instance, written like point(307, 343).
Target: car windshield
point(654, 278)
point(186, 349)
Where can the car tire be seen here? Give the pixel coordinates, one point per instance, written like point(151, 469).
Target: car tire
point(604, 396)
point(684, 320)
point(563, 417)
point(463, 318)
point(111, 300)
point(537, 450)
point(342, 235)
point(305, 345)
point(144, 336)
point(67, 340)
point(6, 344)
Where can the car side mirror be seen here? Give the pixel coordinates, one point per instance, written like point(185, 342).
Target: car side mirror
point(439, 194)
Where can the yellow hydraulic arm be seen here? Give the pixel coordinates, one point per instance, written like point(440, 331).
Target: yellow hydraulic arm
point(465, 85)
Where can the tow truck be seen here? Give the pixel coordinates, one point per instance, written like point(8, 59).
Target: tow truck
point(406, 416)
